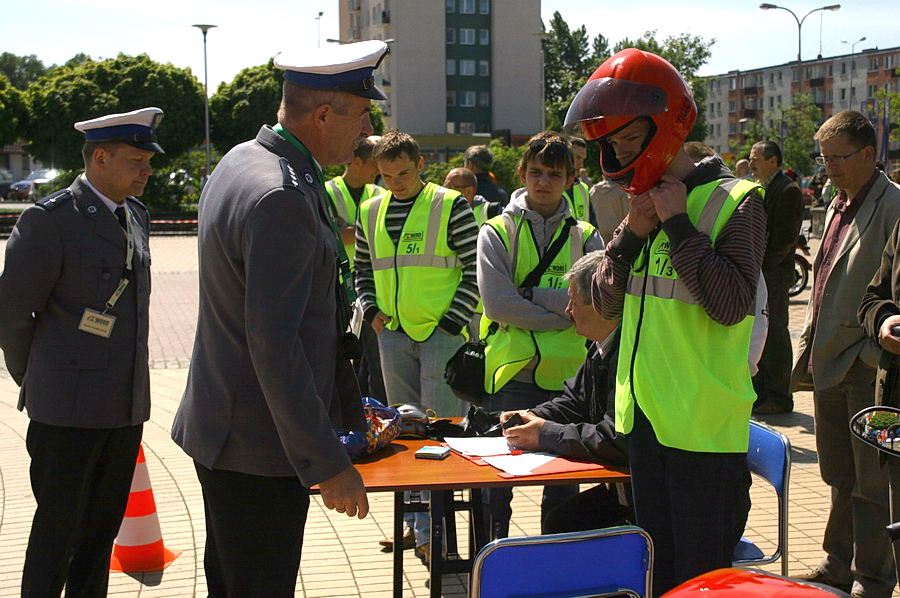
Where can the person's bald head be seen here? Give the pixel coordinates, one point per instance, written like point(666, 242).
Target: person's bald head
point(742, 168)
point(464, 181)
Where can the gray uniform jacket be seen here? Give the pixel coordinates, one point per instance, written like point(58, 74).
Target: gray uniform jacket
point(66, 254)
point(261, 384)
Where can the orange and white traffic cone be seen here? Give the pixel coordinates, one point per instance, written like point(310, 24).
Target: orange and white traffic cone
point(139, 545)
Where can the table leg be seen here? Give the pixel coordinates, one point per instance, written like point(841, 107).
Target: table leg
point(479, 532)
point(439, 500)
point(398, 544)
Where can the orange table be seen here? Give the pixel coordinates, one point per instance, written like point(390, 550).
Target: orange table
point(395, 469)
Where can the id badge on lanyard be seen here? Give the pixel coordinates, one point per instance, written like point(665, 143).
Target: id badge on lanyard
point(101, 323)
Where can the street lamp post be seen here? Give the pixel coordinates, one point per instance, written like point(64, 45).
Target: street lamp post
point(853, 65)
point(319, 29)
point(767, 6)
point(204, 29)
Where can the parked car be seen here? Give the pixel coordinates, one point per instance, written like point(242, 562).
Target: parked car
point(6, 180)
point(29, 187)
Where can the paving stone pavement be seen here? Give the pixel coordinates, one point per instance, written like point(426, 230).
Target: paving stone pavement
point(341, 556)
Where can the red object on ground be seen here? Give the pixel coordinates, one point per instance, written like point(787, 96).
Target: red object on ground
point(749, 583)
point(139, 545)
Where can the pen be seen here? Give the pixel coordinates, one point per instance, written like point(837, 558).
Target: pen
point(515, 452)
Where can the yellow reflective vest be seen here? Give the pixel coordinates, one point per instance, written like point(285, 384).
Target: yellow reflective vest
point(344, 206)
point(579, 198)
point(559, 352)
point(689, 373)
point(416, 279)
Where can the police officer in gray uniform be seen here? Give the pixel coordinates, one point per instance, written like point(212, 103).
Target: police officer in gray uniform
point(261, 405)
point(74, 303)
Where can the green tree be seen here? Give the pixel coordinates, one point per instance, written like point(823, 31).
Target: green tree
point(21, 70)
point(238, 109)
point(13, 112)
point(567, 65)
point(377, 116)
point(90, 89)
point(754, 131)
point(795, 127)
point(889, 100)
point(506, 163)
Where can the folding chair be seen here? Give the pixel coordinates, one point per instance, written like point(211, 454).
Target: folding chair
point(607, 562)
point(769, 457)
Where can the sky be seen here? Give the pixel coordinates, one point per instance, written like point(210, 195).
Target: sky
point(249, 33)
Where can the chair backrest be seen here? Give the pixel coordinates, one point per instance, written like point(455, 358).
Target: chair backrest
point(769, 456)
point(616, 560)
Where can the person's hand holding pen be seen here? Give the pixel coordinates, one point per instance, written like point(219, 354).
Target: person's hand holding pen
point(526, 435)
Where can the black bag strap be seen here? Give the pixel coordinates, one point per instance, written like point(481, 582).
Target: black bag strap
point(534, 277)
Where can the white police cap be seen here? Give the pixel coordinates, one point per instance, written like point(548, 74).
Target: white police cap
point(136, 128)
point(347, 67)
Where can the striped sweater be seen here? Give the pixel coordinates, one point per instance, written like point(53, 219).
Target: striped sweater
point(461, 238)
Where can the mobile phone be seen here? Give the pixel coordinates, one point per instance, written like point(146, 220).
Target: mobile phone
point(514, 420)
point(433, 452)
point(895, 331)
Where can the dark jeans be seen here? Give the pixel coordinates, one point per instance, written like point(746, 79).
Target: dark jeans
point(80, 478)
point(254, 533)
point(693, 505)
point(369, 367)
point(595, 508)
point(772, 382)
point(520, 395)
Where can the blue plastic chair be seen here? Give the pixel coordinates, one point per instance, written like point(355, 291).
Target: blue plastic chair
point(606, 562)
point(769, 457)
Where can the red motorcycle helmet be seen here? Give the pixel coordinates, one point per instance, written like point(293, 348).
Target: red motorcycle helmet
point(630, 85)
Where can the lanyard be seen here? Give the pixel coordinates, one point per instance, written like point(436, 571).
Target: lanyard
point(344, 274)
point(129, 258)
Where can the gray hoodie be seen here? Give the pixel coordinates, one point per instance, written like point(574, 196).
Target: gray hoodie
point(502, 300)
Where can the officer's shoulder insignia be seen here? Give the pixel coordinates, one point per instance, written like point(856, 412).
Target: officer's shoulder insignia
point(290, 180)
point(54, 200)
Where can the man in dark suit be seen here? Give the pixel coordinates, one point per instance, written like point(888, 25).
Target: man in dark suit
point(783, 202)
point(479, 159)
point(75, 293)
point(262, 400)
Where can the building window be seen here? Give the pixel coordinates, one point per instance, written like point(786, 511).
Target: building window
point(779, 76)
point(873, 64)
point(731, 107)
point(467, 7)
point(451, 98)
point(759, 80)
point(467, 37)
point(484, 36)
point(719, 129)
point(771, 101)
point(829, 96)
point(451, 128)
point(795, 74)
point(451, 5)
point(484, 68)
point(466, 67)
point(779, 100)
point(732, 83)
point(732, 128)
point(467, 99)
point(484, 7)
point(484, 98)
point(451, 35)
point(451, 66)
point(843, 68)
point(830, 70)
point(466, 128)
point(771, 79)
point(843, 94)
point(870, 92)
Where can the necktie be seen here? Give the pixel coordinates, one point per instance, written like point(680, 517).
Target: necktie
point(120, 215)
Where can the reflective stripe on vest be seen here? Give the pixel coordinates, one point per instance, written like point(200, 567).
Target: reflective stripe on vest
point(559, 352)
point(691, 376)
point(480, 211)
point(345, 207)
point(415, 280)
point(579, 198)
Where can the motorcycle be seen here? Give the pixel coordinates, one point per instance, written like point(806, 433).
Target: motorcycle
point(801, 267)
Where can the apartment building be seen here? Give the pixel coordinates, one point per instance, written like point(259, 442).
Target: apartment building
point(836, 83)
point(458, 69)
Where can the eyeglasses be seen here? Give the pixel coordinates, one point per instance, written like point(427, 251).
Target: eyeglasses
point(821, 160)
point(459, 187)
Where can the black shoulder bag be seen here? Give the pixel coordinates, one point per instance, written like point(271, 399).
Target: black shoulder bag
point(465, 370)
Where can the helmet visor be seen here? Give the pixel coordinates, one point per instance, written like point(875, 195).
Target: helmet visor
point(614, 98)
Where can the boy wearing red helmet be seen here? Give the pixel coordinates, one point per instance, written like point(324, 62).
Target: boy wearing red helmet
point(682, 272)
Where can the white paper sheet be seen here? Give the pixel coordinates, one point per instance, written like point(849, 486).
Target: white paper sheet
point(522, 464)
point(480, 446)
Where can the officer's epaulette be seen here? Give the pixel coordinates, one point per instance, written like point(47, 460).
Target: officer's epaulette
point(290, 175)
point(54, 200)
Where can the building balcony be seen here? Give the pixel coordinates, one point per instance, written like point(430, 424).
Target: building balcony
point(386, 16)
point(817, 82)
point(750, 91)
point(750, 112)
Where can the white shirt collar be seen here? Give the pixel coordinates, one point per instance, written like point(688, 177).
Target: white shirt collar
point(107, 201)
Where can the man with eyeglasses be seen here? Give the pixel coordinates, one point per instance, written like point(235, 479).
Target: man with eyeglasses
point(834, 350)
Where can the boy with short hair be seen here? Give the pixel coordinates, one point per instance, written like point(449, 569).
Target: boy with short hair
point(415, 276)
point(532, 345)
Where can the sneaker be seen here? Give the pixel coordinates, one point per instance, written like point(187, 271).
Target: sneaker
point(409, 541)
point(818, 576)
point(424, 553)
